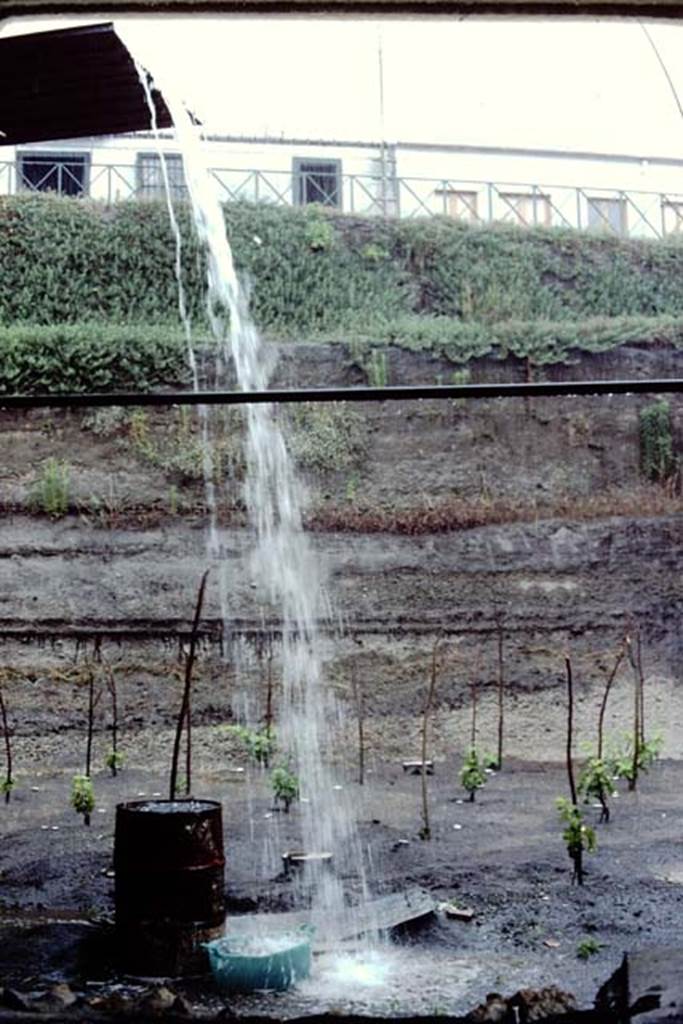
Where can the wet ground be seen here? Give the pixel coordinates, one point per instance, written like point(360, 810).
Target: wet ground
point(502, 857)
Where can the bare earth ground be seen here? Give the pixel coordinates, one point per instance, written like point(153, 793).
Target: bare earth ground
point(502, 856)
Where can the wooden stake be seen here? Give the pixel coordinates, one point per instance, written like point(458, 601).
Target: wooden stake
point(185, 705)
point(426, 832)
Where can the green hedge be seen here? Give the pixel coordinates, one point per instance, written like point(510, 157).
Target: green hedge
point(103, 357)
point(541, 341)
point(313, 272)
point(89, 357)
point(66, 261)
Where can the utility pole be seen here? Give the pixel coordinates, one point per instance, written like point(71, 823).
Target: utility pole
point(382, 144)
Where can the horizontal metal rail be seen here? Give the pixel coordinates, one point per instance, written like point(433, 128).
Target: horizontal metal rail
point(629, 212)
point(361, 394)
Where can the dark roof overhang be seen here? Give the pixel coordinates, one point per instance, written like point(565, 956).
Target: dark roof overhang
point(71, 83)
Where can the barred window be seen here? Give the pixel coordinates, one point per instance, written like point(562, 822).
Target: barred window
point(461, 205)
point(607, 213)
point(63, 173)
point(150, 177)
point(317, 181)
point(672, 216)
point(526, 208)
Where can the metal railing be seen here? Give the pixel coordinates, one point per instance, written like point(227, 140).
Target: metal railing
point(625, 212)
point(538, 389)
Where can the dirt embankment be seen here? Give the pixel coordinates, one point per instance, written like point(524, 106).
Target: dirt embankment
point(104, 533)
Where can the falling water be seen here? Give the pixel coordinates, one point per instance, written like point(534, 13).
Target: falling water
point(284, 565)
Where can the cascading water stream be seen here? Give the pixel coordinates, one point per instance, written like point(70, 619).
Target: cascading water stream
point(284, 565)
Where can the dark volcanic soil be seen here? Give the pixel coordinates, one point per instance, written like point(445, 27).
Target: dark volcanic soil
point(502, 856)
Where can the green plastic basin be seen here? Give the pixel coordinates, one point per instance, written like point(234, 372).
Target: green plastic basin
point(244, 963)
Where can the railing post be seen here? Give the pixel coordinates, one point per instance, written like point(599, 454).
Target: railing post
point(352, 201)
point(256, 187)
point(578, 209)
point(489, 190)
point(444, 193)
point(662, 214)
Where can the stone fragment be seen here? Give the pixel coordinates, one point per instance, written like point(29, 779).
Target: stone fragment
point(456, 912)
point(182, 1006)
point(494, 1010)
point(60, 995)
point(541, 1004)
point(157, 1000)
point(113, 1002)
point(13, 1000)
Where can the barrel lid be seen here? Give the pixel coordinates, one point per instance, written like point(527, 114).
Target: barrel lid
point(189, 806)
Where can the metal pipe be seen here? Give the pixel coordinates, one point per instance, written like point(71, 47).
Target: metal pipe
point(538, 389)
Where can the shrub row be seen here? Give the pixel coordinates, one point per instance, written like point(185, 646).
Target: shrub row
point(312, 271)
point(64, 357)
point(89, 357)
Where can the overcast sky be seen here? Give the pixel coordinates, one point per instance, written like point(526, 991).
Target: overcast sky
point(561, 84)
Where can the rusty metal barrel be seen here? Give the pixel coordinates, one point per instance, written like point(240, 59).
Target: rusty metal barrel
point(169, 868)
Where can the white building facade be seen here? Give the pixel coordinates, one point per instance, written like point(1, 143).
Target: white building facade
point(633, 195)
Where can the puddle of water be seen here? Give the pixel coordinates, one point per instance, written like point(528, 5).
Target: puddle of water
point(391, 980)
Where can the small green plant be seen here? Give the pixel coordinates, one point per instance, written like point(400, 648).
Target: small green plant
point(352, 488)
point(106, 422)
point(139, 432)
point(657, 458)
point(51, 490)
point(595, 783)
point(83, 796)
point(374, 253)
point(587, 948)
point(114, 761)
point(328, 438)
point(472, 775)
point(285, 786)
point(6, 788)
point(577, 835)
point(319, 234)
point(627, 763)
point(377, 369)
point(490, 762)
point(260, 744)
point(462, 376)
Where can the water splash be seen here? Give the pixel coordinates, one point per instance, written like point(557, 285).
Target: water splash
point(285, 567)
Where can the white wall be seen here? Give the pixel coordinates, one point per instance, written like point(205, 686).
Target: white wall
point(568, 181)
point(430, 179)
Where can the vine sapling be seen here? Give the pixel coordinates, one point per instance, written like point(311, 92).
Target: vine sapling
point(472, 776)
point(595, 780)
point(259, 743)
point(114, 757)
point(577, 835)
point(83, 796)
point(285, 786)
point(603, 706)
point(82, 792)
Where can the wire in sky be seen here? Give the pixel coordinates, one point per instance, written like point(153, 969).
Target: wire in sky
point(663, 67)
